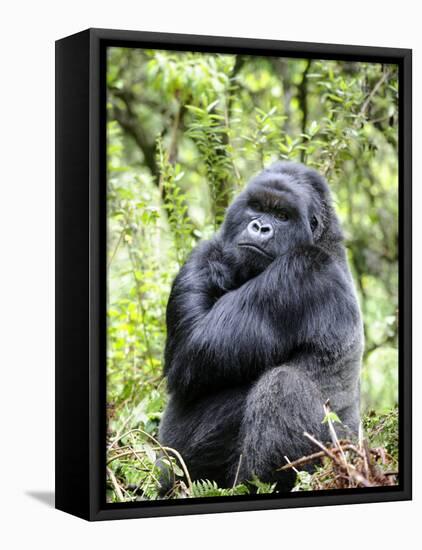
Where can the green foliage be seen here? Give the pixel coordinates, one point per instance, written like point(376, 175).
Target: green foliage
point(382, 430)
point(206, 488)
point(331, 416)
point(261, 487)
point(175, 205)
point(185, 132)
point(264, 136)
point(304, 481)
point(209, 131)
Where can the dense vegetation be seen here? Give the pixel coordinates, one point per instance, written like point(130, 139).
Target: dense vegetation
point(185, 133)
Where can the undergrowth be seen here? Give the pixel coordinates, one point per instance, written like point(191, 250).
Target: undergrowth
point(133, 473)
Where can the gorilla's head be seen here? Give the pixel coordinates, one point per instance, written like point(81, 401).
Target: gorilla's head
point(286, 206)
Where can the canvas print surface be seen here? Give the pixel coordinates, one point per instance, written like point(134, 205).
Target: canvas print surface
point(252, 275)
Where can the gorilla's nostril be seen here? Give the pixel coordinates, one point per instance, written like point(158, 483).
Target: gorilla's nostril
point(266, 232)
point(259, 231)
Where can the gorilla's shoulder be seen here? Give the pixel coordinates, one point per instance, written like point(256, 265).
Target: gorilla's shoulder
point(205, 254)
point(210, 250)
point(314, 258)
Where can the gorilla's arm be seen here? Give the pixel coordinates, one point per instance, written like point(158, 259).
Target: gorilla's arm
point(219, 337)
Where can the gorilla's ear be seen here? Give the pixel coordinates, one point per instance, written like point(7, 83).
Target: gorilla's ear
point(316, 226)
point(332, 231)
point(328, 228)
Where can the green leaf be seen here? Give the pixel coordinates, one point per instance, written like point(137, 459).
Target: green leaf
point(331, 416)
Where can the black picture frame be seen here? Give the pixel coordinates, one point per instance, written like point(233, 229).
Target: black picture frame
point(81, 278)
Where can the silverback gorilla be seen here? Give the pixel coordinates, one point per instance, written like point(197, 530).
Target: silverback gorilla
point(263, 327)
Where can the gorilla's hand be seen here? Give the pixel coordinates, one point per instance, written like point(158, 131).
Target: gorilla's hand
point(221, 277)
point(217, 270)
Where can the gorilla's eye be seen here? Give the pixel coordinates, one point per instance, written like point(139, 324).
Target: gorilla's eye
point(282, 215)
point(314, 223)
point(255, 205)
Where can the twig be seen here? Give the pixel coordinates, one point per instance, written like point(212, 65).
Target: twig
point(115, 484)
point(360, 436)
point(321, 446)
point(183, 465)
point(286, 458)
point(369, 469)
point(327, 410)
point(351, 471)
point(374, 90)
point(131, 452)
point(350, 447)
point(119, 240)
point(237, 471)
point(314, 456)
point(172, 151)
point(303, 100)
point(119, 435)
point(300, 461)
point(138, 430)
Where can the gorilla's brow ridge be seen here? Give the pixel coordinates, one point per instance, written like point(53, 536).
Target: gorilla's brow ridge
point(271, 196)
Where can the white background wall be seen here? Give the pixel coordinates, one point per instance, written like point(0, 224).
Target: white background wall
point(28, 31)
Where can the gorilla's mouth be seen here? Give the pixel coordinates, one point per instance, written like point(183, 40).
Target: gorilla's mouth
point(256, 248)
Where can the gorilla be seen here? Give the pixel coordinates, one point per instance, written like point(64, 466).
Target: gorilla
point(263, 327)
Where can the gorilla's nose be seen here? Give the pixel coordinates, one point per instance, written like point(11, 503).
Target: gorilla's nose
point(260, 231)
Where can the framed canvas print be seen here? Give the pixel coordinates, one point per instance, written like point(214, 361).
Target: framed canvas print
point(233, 274)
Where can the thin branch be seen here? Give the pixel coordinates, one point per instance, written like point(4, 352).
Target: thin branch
point(130, 123)
point(350, 471)
point(237, 471)
point(116, 486)
point(301, 461)
point(303, 100)
point(173, 147)
point(327, 410)
point(374, 90)
point(286, 458)
point(182, 463)
point(118, 243)
point(321, 446)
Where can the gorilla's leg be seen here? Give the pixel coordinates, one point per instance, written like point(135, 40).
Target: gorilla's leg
point(206, 434)
point(281, 405)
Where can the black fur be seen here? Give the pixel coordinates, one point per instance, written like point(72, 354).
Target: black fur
point(263, 327)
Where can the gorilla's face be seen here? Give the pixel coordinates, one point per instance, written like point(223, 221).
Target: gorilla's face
point(280, 209)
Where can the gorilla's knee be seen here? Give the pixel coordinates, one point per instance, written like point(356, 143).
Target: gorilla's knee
point(281, 406)
point(284, 391)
